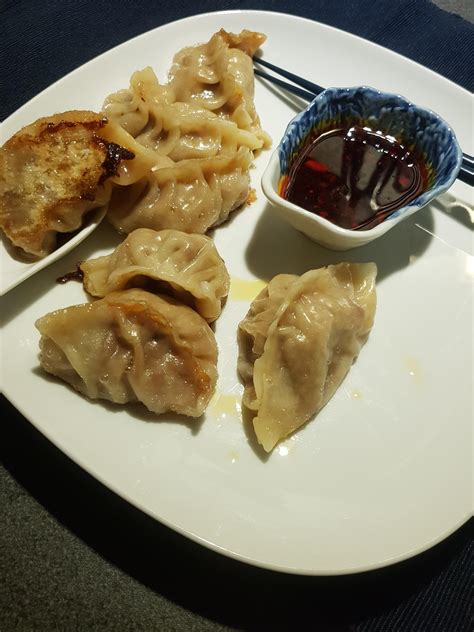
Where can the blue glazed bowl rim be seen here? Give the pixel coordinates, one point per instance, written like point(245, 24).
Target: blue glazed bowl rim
point(331, 92)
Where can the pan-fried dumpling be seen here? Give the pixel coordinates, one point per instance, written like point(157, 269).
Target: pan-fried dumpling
point(193, 170)
point(169, 262)
point(298, 341)
point(52, 173)
point(133, 346)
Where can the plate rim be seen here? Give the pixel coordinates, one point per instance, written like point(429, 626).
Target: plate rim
point(293, 570)
point(240, 12)
point(136, 502)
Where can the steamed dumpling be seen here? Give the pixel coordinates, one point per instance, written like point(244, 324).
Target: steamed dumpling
point(218, 75)
point(298, 341)
point(195, 138)
point(133, 346)
point(171, 262)
point(191, 195)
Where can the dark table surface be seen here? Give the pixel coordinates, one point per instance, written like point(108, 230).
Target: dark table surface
point(74, 556)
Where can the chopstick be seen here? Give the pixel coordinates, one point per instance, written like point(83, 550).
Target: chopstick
point(312, 88)
point(308, 90)
point(304, 94)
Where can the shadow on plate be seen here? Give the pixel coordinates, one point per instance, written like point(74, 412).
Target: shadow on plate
point(451, 206)
point(20, 298)
point(297, 104)
point(137, 410)
point(197, 579)
point(277, 247)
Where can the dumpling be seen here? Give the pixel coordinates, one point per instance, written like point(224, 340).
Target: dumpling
point(219, 76)
point(133, 346)
point(190, 196)
point(170, 262)
point(52, 173)
point(298, 341)
point(196, 153)
point(134, 108)
point(148, 111)
point(253, 331)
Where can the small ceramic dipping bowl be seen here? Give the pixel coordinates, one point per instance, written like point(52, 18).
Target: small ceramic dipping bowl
point(420, 130)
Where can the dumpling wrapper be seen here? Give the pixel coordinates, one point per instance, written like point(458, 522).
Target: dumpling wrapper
point(52, 173)
point(185, 266)
point(190, 195)
point(133, 346)
point(219, 76)
point(194, 138)
point(298, 342)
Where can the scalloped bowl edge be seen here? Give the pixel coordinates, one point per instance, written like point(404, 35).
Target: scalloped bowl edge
point(323, 231)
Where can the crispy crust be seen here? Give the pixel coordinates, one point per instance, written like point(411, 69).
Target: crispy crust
point(52, 172)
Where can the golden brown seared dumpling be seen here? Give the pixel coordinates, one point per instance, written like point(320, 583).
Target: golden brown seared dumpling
point(298, 341)
point(52, 172)
point(133, 346)
point(170, 262)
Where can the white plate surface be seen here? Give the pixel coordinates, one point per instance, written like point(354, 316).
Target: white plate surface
point(384, 471)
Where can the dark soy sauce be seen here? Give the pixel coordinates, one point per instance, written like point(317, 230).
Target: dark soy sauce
point(354, 177)
point(75, 275)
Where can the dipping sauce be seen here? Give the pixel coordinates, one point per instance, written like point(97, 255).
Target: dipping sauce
point(75, 275)
point(354, 177)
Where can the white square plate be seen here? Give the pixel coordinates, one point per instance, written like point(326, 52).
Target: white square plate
point(384, 471)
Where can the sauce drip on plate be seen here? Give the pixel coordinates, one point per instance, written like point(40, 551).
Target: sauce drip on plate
point(75, 275)
point(354, 177)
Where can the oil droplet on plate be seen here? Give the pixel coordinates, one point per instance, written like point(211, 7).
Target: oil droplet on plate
point(224, 405)
point(234, 456)
point(414, 370)
point(245, 290)
point(356, 394)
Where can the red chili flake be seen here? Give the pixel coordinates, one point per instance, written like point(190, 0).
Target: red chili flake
point(403, 181)
point(315, 165)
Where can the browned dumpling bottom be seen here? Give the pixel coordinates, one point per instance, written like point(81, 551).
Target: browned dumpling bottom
point(52, 173)
point(133, 346)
